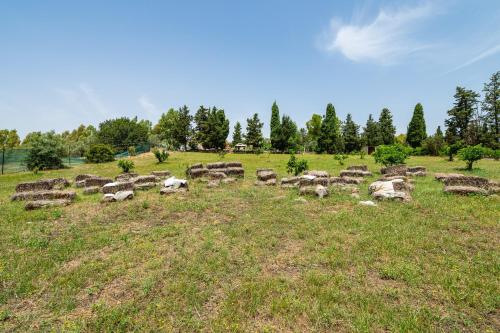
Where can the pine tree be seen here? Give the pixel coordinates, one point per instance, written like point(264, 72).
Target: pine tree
point(217, 130)
point(200, 120)
point(387, 129)
point(350, 134)
point(287, 139)
point(237, 134)
point(416, 129)
point(275, 126)
point(253, 135)
point(439, 132)
point(330, 140)
point(461, 115)
point(371, 133)
point(314, 130)
point(183, 130)
point(491, 109)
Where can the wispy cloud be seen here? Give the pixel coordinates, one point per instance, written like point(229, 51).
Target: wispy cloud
point(385, 40)
point(148, 106)
point(487, 53)
point(84, 99)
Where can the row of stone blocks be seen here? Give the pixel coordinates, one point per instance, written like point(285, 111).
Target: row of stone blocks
point(463, 185)
point(217, 170)
point(44, 193)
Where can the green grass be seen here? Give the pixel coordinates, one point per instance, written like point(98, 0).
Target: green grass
point(242, 258)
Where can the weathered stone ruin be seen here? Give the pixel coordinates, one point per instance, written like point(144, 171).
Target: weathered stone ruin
point(118, 196)
point(395, 189)
point(91, 183)
point(196, 171)
point(145, 182)
point(117, 187)
point(80, 179)
point(290, 182)
point(126, 176)
point(394, 170)
point(164, 174)
point(418, 171)
point(266, 177)
point(314, 182)
point(44, 193)
point(234, 169)
point(465, 185)
point(356, 171)
point(442, 176)
point(174, 185)
point(318, 190)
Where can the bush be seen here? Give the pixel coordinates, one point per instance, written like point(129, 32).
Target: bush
point(126, 165)
point(391, 154)
point(100, 153)
point(492, 153)
point(46, 152)
point(296, 166)
point(340, 158)
point(471, 154)
point(453, 149)
point(131, 151)
point(161, 154)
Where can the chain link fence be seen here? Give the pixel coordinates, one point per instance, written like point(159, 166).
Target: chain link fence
point(14, 160)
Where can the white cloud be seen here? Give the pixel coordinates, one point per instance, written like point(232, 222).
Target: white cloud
point(489, 52)
point(385, 40)
point(148, 106)
point(84, 99)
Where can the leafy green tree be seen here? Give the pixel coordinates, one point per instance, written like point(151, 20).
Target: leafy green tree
point(100, 153)
point(296, 166)
point(314, 130)
point(371, 133)
point(166, 127)
point(330, 139)
point(387, 129)
point(47, 151)
point(122, 133)
point(9, 139)
point(237, 136)
point(471, 154)
point(217, 130)
point(391, 154)
point(350, 134)
point(30, 138)
point(491, 110)
point(253, 136)
point(416, 129)
point(288, 136)
point(275, 126)
point(461, 114)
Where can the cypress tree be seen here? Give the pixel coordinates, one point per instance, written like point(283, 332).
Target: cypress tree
point(287, 139)
point(416, 128)
point(387, 129)
point(275, 126)
point(237, 134)
point(491, 109)
point(350, 134)
point(253, 135)
point(330, 140)
point(461, 115)
point(217, 129)
point(371, 133)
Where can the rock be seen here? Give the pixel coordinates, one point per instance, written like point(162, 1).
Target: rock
point(394, 170)
point(358, 168)
point(417, 171)
point(309, 180)
point(81, 177)
point(44, 195)
point(175, 183)
point(368, 203)
point(290, 182)
point(213, 183)
point(382, 190)
point(234, 165)
point(317, 173)
point(97, 181)
point(197, 172)
point(321, 191)
point(442, 176)
point(118, 186)
point(80, 183)
point(264, 175)
point(465, 190)
point(318, 190)
point(108, 197)
point(161, 174)
point(228, 180)
point(144, 179)
point(145, 186)
point(31, 205)
point(345, 180)
point(269, 182)
point(170, 190)
point(124, 195)
point(91, 190)
point(216, 165)
point(355, 173)
point(216, 175)
point(467, 181)
point(39, 185)
point(126, 176)
point(235, 171)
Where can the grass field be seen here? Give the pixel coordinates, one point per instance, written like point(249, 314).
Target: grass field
point(241, 258)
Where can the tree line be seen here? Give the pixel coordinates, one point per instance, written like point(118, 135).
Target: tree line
point(470, 121)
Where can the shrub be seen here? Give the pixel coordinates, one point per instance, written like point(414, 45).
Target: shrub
point(471, 154)
point(100, 153)
point(391, 154)
point(340, 158)
point(296, 166)
point(131, 151)
point(126, 165)
point(46, 152)
point(161, 154)
point(453, 149)
point(492, 153)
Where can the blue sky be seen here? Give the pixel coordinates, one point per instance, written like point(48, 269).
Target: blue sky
point(66, 62)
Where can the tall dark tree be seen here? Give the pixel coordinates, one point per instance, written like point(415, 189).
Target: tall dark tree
point(460, 116)
point(288, 136)
point(387, 129)
point(491, 109)
point(122, 133)
point(371, 133)
point(275, 126)
point(330, 139)
point(350, 134)
point(200, 124)
point(253, 136)
point(183, 130)
point(314, 130)
point(237, 137)
point(416, 129)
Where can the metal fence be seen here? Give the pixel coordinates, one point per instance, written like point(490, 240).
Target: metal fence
point(14, 160)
